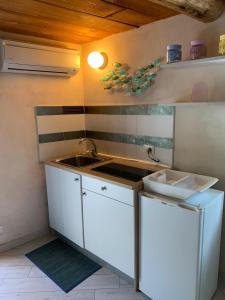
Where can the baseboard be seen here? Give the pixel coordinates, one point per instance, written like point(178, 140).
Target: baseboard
point(24, 239)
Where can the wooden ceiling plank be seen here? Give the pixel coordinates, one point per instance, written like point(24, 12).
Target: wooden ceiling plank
point(42, 27)
point(50, 34)
point(46, 35)
point(19, 18)
point(97, 8)
point(42, 10)
point(38, 40)
point(145, 7)
point(132, 17)
point(41, 32)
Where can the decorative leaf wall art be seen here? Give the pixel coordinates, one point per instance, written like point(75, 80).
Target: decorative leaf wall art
point(119, 79)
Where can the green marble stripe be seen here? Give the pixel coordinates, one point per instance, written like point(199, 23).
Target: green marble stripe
point(60, 136)
point(166, 143)
point(72, 110)
point(104, 110)
point(160, 110)
point(48, 110)
point(51, 137)
point(58, 110)
point(159, 142)
point(142, 109)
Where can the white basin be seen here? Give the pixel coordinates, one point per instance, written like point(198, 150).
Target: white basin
point(175, 184)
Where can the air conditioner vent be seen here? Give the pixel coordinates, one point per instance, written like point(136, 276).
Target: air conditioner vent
point(27, 58)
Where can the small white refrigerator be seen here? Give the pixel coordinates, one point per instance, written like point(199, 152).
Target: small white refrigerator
point(180, 246)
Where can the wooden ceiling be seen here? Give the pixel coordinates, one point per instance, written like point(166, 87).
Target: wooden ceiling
point(83, 21)
point(77, 21)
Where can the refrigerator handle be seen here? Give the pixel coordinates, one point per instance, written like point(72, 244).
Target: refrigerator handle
point(189, 207)
point(180, 204)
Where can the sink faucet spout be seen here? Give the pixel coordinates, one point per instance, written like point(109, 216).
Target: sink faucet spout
point(92, 143)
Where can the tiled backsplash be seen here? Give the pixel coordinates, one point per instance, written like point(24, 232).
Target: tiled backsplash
point(123, 130)
point(59, 130)
point(118, 130)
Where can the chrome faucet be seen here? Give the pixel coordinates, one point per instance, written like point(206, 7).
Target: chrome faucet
point(90, 141)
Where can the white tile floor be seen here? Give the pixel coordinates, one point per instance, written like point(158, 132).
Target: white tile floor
point(20, 279)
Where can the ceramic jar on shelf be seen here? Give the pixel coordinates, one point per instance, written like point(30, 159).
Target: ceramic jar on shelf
point(198, 49)
point(174, 53)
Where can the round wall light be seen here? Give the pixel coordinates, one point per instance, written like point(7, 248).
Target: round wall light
point(97, 60)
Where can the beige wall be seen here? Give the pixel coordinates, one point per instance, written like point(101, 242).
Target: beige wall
point(200, 144)
point(199, 138)
point(139, 47)
point(23, 205)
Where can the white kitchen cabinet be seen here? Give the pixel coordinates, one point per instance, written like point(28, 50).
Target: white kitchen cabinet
point(64, 203)
point(109, 230)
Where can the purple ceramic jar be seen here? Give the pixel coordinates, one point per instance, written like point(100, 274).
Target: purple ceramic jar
point(198, 49)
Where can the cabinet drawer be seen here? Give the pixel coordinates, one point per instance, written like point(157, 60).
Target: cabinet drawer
point(108, 189)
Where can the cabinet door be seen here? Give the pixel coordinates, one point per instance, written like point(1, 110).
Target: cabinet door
point(64, 200)
point(169, 250)
point(55, 195)
point(109, 230)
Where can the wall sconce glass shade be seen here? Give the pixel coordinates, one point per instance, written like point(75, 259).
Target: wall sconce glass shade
point(96, 60)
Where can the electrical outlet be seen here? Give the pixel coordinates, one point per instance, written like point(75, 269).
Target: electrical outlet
point(147, 147)
point(150, 150)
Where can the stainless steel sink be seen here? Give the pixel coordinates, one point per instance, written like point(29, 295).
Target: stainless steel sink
point(80, 160)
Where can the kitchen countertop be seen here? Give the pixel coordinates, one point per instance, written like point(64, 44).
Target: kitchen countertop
point(87, 170)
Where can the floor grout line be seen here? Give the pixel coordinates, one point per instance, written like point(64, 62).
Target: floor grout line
point(55, 291)
point(22, 292)
point(30, 272)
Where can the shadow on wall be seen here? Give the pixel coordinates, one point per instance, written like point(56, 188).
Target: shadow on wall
point(200, 145)
point(200, 92)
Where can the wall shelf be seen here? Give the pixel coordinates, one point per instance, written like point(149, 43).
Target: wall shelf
point(197, 62)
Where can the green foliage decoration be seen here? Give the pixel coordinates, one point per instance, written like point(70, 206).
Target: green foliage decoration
point(119, 79)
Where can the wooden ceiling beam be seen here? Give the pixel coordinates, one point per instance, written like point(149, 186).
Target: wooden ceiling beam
point(202, 10)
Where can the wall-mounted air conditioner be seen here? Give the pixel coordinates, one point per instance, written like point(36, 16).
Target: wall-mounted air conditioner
point(28, 58)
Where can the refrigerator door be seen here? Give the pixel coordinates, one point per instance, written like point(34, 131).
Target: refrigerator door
point(170, 238)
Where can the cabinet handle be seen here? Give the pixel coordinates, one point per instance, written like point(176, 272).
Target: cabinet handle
point(76, 179)
point(84, 193)
point(103, 188)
